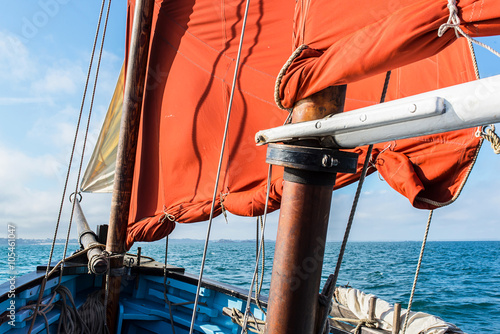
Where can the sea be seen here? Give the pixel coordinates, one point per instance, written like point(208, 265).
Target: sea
point(458, 281)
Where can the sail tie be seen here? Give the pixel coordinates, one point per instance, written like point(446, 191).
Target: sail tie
point(282, 72)
point(223, 210)
point(166, 215)
point(454, 22)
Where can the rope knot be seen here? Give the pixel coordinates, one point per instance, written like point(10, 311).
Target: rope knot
point(222, 207)
point(453, 20)
point(166, 215)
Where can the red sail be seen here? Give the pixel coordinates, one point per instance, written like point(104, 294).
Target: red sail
point(192, 59)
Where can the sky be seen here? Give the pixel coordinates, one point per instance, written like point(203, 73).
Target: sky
point(45, 49)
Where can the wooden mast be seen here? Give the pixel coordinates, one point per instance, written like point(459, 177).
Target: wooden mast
point(303, 222)
point(127, 146)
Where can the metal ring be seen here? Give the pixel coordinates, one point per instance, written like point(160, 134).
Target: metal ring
point(79, 199)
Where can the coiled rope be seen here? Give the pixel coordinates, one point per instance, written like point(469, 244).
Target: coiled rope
point(253, 325)
point(89, 319)
point(93, 313)
point(42, 309)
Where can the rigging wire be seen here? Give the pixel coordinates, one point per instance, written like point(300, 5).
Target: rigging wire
point(61, 263)
point(84, 146)
point(42, 287)
point(258, 287)
point(219, 167)
point(255, 273)
point(76, 136)
point(331, 289)
point(87, 127)
point(358, 190)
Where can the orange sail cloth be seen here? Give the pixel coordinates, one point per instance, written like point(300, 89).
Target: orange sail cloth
point(352, 40)
point(192, 59)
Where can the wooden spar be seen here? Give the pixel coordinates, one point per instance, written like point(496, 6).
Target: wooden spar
point(303, 222)
point(127, 145)
point(98, 264)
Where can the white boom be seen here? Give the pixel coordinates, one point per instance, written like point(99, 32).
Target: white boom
point(457, 107)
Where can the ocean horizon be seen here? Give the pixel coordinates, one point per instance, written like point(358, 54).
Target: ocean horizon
point(459, 280)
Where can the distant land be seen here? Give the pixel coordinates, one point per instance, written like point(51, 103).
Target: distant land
point(23, 241)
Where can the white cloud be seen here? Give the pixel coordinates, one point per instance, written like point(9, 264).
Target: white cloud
point(15, 61)
point(64, 78)
point(19, 175)
point(6, 101)
point(31, 193)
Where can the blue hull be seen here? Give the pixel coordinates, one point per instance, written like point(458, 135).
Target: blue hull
point(143, 307)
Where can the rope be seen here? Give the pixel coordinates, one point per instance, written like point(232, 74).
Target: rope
point(424, 241)
point(282, 72)
point(89, 319)
point(360, 323)
point(260, 251)
point(237, 317)
point(70, 320)
point(40, 309)
point(454, 23)
point(166, 215)
point(474, 59)
point(93, 313)
point(489, 134)
point(219, 167)
point(223, 210)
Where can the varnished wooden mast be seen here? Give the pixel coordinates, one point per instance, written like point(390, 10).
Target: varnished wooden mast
point(127, 146)
point(303, 222)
